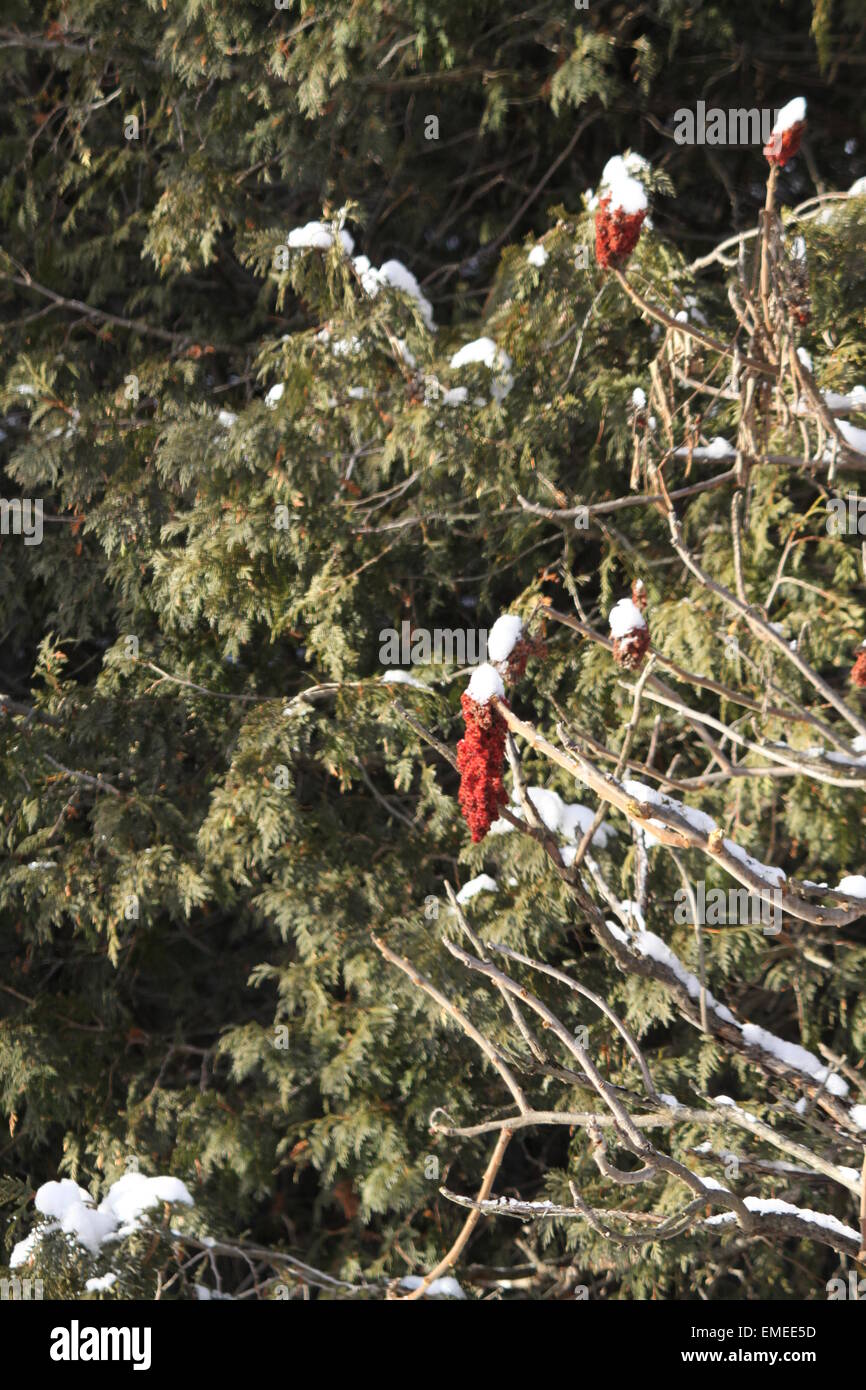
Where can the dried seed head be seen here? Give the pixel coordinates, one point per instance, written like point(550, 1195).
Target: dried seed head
point(858, 670)
point(784, 141)
point(522, 651)
point(629, 630)
point(630, 650)
point(616, 233)
point(480, 757)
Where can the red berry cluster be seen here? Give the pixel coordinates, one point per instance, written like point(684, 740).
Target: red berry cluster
point(616, 233)
point(858, 670)
point(479, 761)
point(784, 144)
point(515, 666)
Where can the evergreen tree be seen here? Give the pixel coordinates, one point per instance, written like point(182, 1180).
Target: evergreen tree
point(307, 335)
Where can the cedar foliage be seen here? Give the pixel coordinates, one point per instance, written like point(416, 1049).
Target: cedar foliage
point(191, 983)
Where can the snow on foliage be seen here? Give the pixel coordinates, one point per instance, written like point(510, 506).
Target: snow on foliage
point(482, 884)
point(319, 236)
point(479, 350)
point(446, 1287)
point(397, 277)
point(854, 437)
point(404, 678)
point(496, 359)
point(568, 819)
point(718, 448)
point(71, 1209)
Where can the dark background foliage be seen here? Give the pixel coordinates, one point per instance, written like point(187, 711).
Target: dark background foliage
point(137, 300)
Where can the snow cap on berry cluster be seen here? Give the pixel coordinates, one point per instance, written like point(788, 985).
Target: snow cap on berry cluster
point(629, 630)
point(785, 137)
point(625, 617)
point(626, 194)
point(503, 637)
point(622, 207)
point(484, 684)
